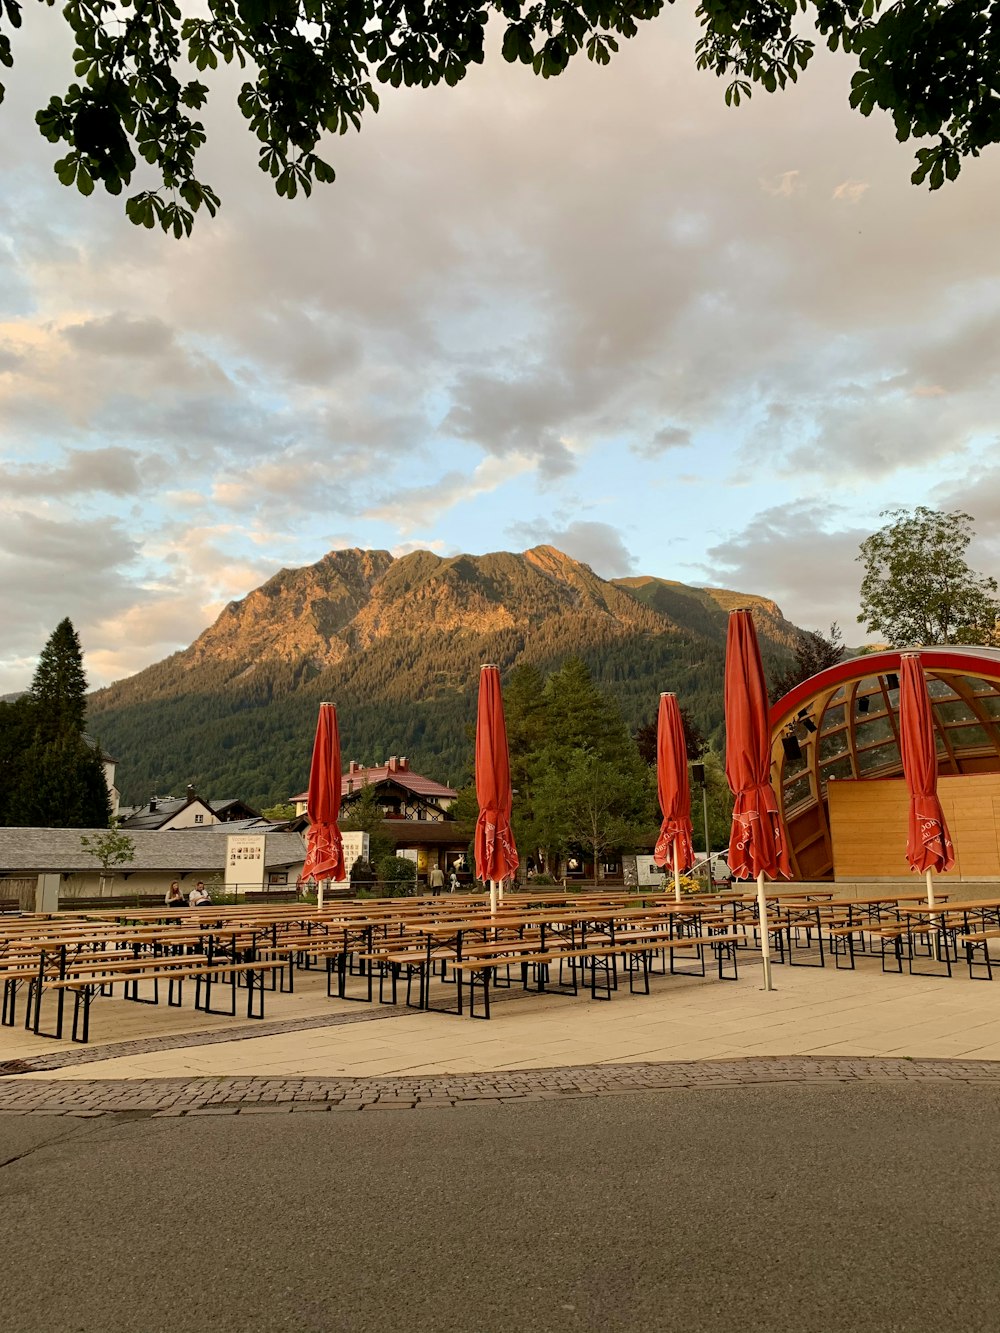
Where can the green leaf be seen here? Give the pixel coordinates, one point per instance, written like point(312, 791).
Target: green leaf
point(66, 169)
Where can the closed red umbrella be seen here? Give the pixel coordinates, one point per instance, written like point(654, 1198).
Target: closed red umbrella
point(928, 843)
point(496, 855)
point(756, 845)
point(324, 848)
point(673, 846)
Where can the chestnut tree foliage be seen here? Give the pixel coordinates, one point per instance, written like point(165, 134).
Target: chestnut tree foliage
point(313, 66)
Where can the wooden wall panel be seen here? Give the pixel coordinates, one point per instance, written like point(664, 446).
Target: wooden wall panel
point(868, 822)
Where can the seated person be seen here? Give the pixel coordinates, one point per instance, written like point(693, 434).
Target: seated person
point(198, 897)
point(174, 896)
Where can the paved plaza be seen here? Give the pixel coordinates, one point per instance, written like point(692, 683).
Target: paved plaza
point(817, 1014)
point(816, 1159)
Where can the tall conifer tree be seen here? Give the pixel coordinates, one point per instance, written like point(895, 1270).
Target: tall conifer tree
point(59, 687)
point(52, 777)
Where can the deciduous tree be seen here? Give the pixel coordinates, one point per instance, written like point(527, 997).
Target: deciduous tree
point(112, 848)
point(364, 815)
point(917, 586)
point(312, 68)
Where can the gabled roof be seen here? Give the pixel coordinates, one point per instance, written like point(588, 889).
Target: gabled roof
point(232, 808)
point(352, 783)
point(59, 851)
point(257, 825)
point(141, 817)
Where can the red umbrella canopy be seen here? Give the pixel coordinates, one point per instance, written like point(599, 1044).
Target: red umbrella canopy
point(756, 842)
point(928, 844)
point(672, 787)
point(324, 849)
point(496, 855)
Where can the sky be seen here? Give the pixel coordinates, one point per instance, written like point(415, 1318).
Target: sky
point(602, 311)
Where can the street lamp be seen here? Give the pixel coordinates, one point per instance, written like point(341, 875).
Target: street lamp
point(698, 775)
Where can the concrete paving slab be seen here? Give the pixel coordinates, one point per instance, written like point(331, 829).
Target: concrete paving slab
point(863, 1013)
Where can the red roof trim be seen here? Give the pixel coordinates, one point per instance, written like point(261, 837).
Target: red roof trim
point(374, 777)
point(956, 661)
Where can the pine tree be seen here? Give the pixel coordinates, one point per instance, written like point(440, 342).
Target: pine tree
point(59, 687)
point(50, 775)
point(814, 652)
point(61, 785)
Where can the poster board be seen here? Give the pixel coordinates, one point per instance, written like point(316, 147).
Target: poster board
point(355, 845)
point(245, 860)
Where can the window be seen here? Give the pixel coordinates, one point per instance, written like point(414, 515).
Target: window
point(199, 819)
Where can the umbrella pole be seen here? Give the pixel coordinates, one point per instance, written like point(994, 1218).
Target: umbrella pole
point(319, 895)
point(500, 884)
point(765, 943)
point(493, 896)
point(677, 875)
point(929, 876)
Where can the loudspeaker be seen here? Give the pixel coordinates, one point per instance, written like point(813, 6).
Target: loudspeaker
point(698, 774)
point(791, 747)
point(864, 703)
point(892, 681)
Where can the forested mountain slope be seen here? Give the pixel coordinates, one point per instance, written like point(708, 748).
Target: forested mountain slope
point(397, 645)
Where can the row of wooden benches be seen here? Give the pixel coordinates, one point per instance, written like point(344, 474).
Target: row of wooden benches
point(93, 973)
point(481, 962)
point(898, 942)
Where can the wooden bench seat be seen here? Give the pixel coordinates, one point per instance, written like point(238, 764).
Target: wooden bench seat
point(483, 964)
point(973, 941)
point(86, 984)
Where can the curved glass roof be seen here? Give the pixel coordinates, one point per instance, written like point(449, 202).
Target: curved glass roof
point(844, 723)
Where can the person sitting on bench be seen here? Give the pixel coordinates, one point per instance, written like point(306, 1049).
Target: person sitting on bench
point(198, 897)
point(174, 896)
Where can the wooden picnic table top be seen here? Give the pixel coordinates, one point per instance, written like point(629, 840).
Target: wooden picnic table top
point(876, 899)
point(513, 920)
point(969, 905)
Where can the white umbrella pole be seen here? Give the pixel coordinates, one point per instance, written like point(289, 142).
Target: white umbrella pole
point(500, 884)
point(493, 895)
point(765, 942)
point(929, 876)
point(319, 895)
point(677, 875)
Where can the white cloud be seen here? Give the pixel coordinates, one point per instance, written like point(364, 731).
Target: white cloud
point(784, 185)
point(563, 281)
point(418, 507)
point(803, 556)
point(599, 545)
point(851, 192)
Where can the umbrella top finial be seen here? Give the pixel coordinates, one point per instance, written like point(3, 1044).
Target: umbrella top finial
point(327, 703)
point(489, 666)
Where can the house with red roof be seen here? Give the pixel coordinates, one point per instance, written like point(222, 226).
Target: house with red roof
point(400, 792)
point(416, 811)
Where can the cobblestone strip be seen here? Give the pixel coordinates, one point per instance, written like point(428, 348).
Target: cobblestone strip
point(242, 1096)
point(61, 1057)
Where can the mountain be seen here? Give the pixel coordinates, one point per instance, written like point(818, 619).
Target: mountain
point(397, 644)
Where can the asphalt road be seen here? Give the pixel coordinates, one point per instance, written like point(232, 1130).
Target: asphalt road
point(789, 1209)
